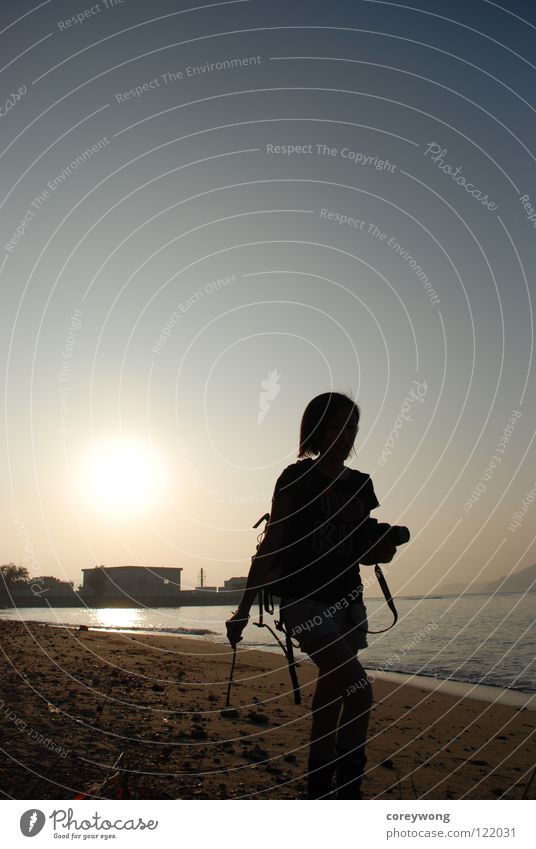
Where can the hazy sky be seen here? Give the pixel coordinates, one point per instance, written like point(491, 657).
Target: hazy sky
point(211, 213)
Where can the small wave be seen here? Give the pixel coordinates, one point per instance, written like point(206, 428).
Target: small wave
point(462, 679)
point(196, 632)
point(422, 598)
point(147, 629)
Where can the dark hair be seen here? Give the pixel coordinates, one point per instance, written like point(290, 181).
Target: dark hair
point(316, 415)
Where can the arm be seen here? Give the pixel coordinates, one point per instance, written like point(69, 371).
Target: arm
point(262, 564)
point(380, 548)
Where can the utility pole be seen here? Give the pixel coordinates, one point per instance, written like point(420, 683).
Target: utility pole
point(201, 578)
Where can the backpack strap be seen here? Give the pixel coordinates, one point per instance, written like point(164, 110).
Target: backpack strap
point(266, 602)
point(231, 675)
point(291, 663)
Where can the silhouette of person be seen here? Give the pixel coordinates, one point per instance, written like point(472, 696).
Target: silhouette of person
point(314, 542)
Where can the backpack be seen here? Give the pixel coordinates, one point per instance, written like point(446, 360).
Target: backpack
point(267, 605)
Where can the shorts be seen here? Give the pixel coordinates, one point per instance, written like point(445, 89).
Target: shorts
point(310, 621)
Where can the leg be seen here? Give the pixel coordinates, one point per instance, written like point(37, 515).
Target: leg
point(342, 678)
point(341, 681)
point(357, 704)
point(321, 766)
point(326, 710)
point(351, 741)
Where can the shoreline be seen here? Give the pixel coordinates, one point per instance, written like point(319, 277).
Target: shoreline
point(480, 692)
point(489, 693)
point(73, 702)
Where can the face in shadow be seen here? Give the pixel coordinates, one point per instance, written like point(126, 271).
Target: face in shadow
point(339, 434)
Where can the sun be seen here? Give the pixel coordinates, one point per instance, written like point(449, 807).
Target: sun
point(122, 476)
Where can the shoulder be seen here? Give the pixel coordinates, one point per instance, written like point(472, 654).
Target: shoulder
point(358, 477)
point(288, 488)
point(362, 483)
point(293, 474)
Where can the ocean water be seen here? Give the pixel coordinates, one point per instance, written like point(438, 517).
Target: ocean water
point(478, 639)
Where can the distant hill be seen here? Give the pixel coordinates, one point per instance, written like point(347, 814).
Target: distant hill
point(519, 582)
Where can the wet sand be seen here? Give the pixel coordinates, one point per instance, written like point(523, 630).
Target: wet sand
point(74, 703)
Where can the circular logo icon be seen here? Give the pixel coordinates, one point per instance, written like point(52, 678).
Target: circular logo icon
point(31, 822)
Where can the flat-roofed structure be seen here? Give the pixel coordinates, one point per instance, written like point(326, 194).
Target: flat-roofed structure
point(235, 583)
point(136, 583)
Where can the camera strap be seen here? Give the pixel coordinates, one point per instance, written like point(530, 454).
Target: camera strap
point(388, 598)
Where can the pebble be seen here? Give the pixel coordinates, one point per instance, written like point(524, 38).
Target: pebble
point(255, 754)
point(258, 718)
point(198, 733)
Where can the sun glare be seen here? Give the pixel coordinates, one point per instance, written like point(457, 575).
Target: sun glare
point(122, 476)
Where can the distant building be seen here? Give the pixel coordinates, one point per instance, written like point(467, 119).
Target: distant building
point(140, 583)
point(204, 588)
point(233, 584)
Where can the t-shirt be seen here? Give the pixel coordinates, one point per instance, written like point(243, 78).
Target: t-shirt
point(324, 536)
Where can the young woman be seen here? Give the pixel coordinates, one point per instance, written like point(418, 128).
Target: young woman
point(316, 537)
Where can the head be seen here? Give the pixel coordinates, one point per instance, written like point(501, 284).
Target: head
point(329, 425)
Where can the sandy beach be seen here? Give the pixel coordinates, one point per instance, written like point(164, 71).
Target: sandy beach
point(75, 703)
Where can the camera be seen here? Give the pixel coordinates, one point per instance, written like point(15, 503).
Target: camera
point(372, 532)
point(398, 534)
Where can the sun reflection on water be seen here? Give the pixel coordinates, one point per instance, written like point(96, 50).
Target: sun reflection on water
point(118, 617)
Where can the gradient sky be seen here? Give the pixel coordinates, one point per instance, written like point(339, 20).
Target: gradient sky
point(185, 187)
